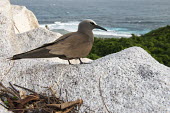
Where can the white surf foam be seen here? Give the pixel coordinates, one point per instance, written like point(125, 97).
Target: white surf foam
point(72, 27)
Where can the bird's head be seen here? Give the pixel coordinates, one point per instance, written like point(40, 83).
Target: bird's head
point(89, 25)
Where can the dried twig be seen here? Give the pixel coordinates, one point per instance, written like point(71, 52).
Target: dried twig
point(25, 88)
point(7, 90)
point(66, 104)
point(34, 102)
point(13, 87)
point(14, 90)
point(4, 106)
point(68, 110)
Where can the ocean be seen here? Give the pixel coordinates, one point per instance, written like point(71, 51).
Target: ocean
point(120, 17)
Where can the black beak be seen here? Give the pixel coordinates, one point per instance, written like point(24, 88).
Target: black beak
point(99, 27)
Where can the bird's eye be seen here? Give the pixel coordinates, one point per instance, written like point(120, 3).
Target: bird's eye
point(92, 23)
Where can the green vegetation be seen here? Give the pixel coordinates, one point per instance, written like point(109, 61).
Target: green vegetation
point(156, 42)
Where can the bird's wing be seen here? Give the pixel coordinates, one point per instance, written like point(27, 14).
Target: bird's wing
point(56, 41)
point(41, 52)
point(71, 46)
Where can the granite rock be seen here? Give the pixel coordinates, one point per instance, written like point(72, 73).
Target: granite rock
point(6, 28)
point(23, 19)
point(128, 81)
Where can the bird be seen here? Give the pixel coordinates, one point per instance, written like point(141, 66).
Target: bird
point(46, 26)
point(74, 45)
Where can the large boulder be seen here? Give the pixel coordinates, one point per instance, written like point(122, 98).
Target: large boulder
point(34, 38)
point(6, 28)
point(23, 19)
point(127, 81)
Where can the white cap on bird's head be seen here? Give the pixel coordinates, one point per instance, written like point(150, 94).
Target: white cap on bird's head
point(89, 24)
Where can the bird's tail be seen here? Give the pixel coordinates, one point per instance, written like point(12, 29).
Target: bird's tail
point(15, 57)
point(36, 53)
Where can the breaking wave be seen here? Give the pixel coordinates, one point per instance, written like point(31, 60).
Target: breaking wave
point(64, 27)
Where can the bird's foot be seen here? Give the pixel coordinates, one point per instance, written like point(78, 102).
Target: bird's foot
point(84, 63)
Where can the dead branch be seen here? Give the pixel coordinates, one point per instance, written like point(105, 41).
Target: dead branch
point(5, 89)
point(66, 104)
point(25, 88)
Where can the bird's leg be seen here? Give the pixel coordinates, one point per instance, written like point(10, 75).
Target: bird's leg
point(82, 62)
point(69, 62)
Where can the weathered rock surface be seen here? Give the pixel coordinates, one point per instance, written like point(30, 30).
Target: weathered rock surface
point(23, 19)
point(6, 27)
point(34, 38)
point(127, 81)
point(130, 81)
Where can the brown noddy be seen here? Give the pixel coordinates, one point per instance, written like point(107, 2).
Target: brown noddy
point(74, 45)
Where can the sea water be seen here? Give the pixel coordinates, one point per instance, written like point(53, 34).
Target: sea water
point(120, 17)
